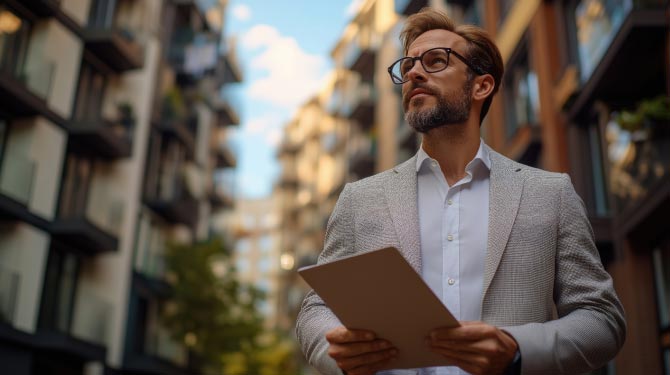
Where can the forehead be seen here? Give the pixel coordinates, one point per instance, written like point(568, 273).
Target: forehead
point(436, 38)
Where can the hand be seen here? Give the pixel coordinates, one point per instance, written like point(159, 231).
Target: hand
point(359, 352)
point(475, 347)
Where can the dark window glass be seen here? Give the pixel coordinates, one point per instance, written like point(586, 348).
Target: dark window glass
point(74, 194)
point(92, 85)
point(597, 22)
point(59, 290)
point(521, 93)
point(14, 40)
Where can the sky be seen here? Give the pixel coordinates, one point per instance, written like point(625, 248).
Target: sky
point(283, 49)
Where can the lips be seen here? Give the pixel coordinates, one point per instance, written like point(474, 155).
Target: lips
point(418, 91)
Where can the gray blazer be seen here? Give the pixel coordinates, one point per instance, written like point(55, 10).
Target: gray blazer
point(544, 282)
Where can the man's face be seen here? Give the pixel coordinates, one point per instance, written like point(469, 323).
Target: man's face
point(433, 100)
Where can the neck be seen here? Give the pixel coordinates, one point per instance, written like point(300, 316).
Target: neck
point(453, 146)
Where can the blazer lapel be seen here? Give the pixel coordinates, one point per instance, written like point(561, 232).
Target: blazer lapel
point(401, 195)
point(506, 186)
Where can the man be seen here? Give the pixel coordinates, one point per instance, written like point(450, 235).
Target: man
point(506, 247)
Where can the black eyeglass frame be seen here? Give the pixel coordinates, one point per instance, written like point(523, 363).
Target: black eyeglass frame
point(449, 52)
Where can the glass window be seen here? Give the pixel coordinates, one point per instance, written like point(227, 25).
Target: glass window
point(60, 286)
point(14, 38)
point(90, 93)
point(74, 195)
point(597, 22)
point(521, 93)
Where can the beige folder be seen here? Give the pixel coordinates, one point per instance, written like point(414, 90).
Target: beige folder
point(381, 292)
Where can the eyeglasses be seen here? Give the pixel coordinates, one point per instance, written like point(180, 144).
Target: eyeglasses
point(433, 60)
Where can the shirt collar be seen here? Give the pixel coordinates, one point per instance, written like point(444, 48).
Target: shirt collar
point(482, 156)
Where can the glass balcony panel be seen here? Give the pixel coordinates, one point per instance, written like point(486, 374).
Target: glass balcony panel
point(91, 320)
point(18, 174)
point(638, 159)
point(38, 77)
point(9, 292)
point(159, 343)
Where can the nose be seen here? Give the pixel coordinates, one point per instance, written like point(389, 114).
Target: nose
point(416, 73)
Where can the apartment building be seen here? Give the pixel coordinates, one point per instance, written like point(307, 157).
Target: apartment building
point(585, 92)
point(106, 152)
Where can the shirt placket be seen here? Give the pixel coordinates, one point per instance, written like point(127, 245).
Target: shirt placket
point(451, 253)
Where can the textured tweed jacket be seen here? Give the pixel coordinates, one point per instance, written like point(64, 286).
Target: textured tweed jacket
point(544, 282)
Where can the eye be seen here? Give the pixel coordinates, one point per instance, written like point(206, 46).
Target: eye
point(435, 59)
point(406, 66)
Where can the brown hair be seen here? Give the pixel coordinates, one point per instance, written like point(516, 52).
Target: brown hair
point(481, 52)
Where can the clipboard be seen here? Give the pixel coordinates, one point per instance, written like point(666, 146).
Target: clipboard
point(379, 291)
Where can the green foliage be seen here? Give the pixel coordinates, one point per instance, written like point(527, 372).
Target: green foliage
point(216, 314)
point(657, 109)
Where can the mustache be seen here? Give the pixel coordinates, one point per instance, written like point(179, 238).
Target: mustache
point(418, 85)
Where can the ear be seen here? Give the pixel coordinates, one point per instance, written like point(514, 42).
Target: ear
point(483, 87)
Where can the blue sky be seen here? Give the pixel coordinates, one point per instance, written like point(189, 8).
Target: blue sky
point(283, 49)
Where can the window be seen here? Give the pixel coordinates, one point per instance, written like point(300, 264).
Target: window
point(74, 194)
point(14, 37)
point(505, 7)
point(60, 284)
point(596, 23)
point(661, 262)
point(521, 93)
point(90, 93)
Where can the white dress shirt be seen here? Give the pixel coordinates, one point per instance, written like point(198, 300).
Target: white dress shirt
point(454, 231)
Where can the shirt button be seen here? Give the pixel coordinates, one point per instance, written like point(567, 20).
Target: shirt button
point(434, 164)
point(450, 237)
point(451, 281)
point(450, 202)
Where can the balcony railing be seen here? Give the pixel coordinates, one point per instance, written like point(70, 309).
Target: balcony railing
point(94, 231)
point(109, 139)
point(227, 105)
point(174, 201)
point(229, 70)
point(160, 343)
point(91, 319)
point(17, 177)
point(9, 292)
point(360, 105)
point(361, 52)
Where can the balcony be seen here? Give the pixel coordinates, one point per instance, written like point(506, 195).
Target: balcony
point(193, 54)
point(361, 54)
point(102, 137)
point(607, 70)
point(117, 47)
point(228, 69)
point(360, 105)
point(173, 120)
point(90, 237)
point(25, 89)
point(17, 178)
point(9, 293)
point(175, 203)
point(407, 7)
point(150, 271)
point(226, 104)
point(225, 157)
point(363, 157)
point(42, 8)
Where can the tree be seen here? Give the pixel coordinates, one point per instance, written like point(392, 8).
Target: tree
point(214, 314)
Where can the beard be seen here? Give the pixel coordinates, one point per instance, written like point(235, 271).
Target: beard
point(446, 112)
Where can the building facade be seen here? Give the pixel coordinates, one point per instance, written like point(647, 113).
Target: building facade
point(585, 92)
point(107, 151)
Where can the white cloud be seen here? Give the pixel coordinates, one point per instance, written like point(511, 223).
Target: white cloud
point(273, 137)
point(291, 74)
point(353, 7)
point(242, 12)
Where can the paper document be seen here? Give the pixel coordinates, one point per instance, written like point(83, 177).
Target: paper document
point(379, 291)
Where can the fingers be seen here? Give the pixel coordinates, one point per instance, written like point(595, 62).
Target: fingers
point(344, 335)
point(359, 352)
point(367, 363)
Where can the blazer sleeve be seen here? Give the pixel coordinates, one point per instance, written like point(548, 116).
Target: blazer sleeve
point(590, 328)
point(315, 318)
